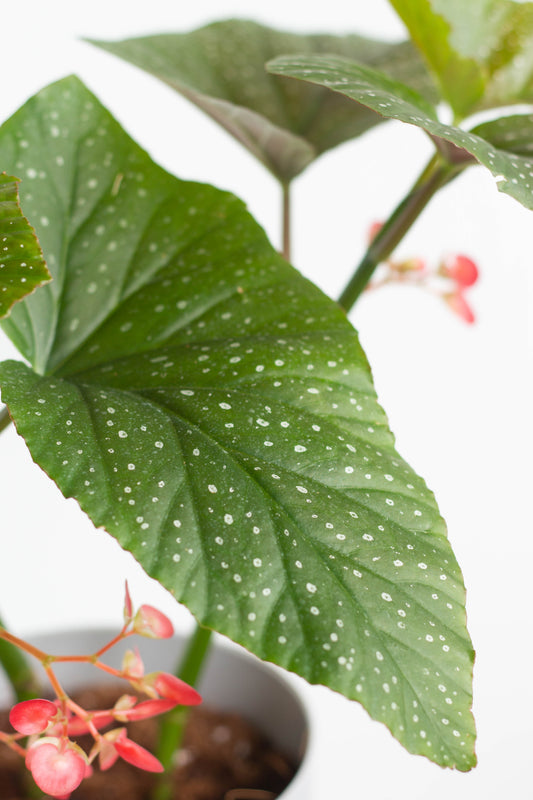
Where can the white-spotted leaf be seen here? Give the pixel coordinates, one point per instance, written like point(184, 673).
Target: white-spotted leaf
point(22, 267)
point(213, 410)
point(221, 68)
point(513, 171)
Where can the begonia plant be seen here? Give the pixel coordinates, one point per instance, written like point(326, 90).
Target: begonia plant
point(211, 408)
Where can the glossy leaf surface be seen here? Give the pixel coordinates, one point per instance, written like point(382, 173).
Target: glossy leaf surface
point(213, 410)
point(513, 172)
point(22, 267)
point(221, 68)
point(480, 50)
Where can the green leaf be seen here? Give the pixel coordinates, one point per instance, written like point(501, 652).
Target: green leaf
point(513, 134)
point(513, 172)
point(214, 411)
point(480, 51)
point(221, 68)
point(22, 267)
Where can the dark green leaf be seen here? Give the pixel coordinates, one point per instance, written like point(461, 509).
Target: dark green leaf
point(22, 267)
point(513, 134)
point(479, 50)
point(221, 68)
point(513, 172)
point(215, 413)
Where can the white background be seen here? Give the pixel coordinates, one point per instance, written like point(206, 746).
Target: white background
point(458, 396)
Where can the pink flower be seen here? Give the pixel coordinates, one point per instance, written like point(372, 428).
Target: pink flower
point(57, 766)
point(116, 743)
point(460, 269)
point(172, 688)
point(132, 665)
point(134, 754)
point(144, 710)
point(456, 301)
point(32, 716)
point(151, 622)
point(100, 719)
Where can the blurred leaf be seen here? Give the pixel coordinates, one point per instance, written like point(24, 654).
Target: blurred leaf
point(214, 411)
point(22, 267)
point(513, 134)
point(513, 172)
point(221, 68)
point(481, 51)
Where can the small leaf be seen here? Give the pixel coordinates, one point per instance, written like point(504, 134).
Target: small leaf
point(221, 68)
point(214, 411)
point(513, 173)
point(22, 267)
point(478, 50)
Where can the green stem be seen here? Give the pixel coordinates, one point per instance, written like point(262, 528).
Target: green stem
point(433, 177)
point(286, 222)
point(173, 725)
point(19, 673)
point(5, 419)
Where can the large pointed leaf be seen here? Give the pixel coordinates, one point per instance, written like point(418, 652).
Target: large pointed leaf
point(215, 413)
point(481, 51)
point(221, 68)
point(513, 172)
point(22, 267)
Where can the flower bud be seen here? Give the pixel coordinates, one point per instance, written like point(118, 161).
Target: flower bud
point(460, 269)
point(151, 622)
point(459, 305)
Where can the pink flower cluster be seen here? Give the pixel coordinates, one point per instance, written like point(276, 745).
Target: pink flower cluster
point(57, 763)
point(454, 275)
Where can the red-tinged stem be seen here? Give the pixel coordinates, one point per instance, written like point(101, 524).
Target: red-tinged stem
point(18, 671)
point(56, 686)
point(118, 638)
point(40, 655)
point(9, 739)
point(117, 673)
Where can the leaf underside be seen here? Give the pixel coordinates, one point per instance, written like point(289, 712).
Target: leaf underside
point(213, 410)
point(221, 68)
point(513, 170)
point(22, 267)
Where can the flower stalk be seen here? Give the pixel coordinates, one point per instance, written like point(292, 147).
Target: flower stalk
point(434, 176)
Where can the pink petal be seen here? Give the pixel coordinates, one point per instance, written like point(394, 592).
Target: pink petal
point(78, 726)
point(146, 709)
point(32, 716)
point(172, 688)
point(149, 621)
point(56, 771)
point(134, 754)
point(132, 665)
point(107, 755)
point(128, 605)
point(457, 303)
point(460, 269)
